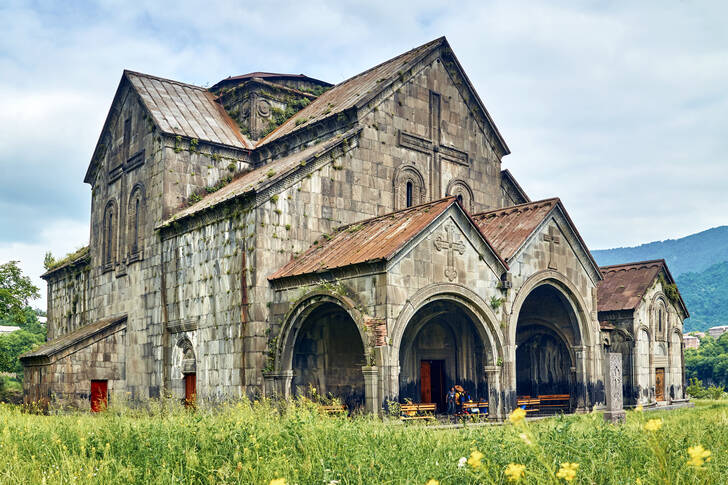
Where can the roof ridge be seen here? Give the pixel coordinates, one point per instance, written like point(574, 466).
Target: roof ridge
point(513, 208)
point(167, 80)
point(390, 214)
point(635, 263)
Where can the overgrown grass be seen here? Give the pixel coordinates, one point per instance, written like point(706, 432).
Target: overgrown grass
point(256, 443)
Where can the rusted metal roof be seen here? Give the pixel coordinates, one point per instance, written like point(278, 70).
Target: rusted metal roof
point(507, 229)
point(187, 110)
point(262, 176)
point(61, 343)
point(267, 75)
point(624, 285)
point(348, 93)
point(368, 241)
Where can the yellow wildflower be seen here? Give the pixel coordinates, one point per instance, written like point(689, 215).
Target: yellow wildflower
point(698, 455)
point(278, 481)
point(567, 471)
point(653, 425)
point(432, 481)
point(515, 472)
point(517, 416)
point(475, 458)
point(638, 408)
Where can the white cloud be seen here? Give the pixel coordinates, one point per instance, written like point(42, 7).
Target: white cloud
point(60, 237)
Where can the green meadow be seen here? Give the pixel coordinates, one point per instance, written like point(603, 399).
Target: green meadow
point(264, 442)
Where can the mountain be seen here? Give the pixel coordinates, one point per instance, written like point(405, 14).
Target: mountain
point(693, 253)
point(698, 262)
point(706, 296)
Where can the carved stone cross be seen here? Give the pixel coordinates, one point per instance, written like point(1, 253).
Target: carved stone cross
point(433, 146)
point(553, 239)
point(450, 245)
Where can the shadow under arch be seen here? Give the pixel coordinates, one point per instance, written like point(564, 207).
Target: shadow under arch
point(322, 345)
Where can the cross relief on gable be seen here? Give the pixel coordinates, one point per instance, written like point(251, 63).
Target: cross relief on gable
point(433, 146)
point(449, 244)
point(553, 239)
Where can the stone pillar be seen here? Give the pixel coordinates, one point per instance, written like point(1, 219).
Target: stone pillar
point(580, 386)
point(277, 384)
point(495, 406)
point(371, 389)
point(613, 387)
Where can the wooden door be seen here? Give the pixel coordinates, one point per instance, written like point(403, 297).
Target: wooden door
point(99, 395)
point(660, 384)
point(425, 382)
point(190, 389)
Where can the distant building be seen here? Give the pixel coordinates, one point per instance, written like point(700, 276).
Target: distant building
point(716, 332)
point(700, 335)
point(7, 329)
point(691, 342)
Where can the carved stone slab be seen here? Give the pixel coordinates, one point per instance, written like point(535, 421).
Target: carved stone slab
point(613, 387)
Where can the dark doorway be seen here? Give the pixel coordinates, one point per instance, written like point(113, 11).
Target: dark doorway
point(190, 389)
point(99, 395)
point(432, 382)
point(660, 384)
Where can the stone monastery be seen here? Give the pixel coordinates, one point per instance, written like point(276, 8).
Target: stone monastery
point(276, 234)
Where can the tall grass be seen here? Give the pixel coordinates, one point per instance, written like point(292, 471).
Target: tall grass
point(254, 443)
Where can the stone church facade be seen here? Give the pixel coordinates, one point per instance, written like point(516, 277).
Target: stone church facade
point(275, 234)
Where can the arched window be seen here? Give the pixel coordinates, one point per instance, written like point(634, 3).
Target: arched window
point(462, 192)
point(135, 223)
point(109, 235)
point(409, 187)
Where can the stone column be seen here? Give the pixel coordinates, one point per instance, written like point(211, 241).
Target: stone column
point(371, 389)
point(613, 386)
point(277, 384)
point(580, 386)
point(495, 406)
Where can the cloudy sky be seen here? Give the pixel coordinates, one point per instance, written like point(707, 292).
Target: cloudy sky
point(619, 108)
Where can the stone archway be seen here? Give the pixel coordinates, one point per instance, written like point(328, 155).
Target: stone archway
point(452, 325)
point(547, 334)
point(322, 350)
point(440, 348)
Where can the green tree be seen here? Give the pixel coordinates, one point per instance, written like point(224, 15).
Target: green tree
point(14, 344)
point(15, 291)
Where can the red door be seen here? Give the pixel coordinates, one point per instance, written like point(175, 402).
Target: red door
point(425, 382)
point(99, 395)
point(190, 389)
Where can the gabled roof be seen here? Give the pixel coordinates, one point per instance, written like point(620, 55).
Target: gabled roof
point(187, 110)
point(508, 229)
point(360, 89)
point(263, 176)
point(624, 285)
point(55, 346)
point(372, 240)
point(266, 75)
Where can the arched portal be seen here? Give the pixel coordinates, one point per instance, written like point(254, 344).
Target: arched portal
point(441, 347)
point(328, 356)
point(547, 331)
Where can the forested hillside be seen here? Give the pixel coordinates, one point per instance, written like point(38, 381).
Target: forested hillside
point(706, 295)
point(698, 262)
point(693, 253)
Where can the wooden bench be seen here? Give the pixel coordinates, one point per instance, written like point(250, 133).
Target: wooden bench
point(530, 405)
point(417, 411)
point(333, 409)
point(476, 408)
point(555, 402)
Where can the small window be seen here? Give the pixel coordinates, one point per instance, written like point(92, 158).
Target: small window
point(109, 235)
point(127, 138)
point(659, 321)
point(410, 189)
point(460, 198)
point(135, 221)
